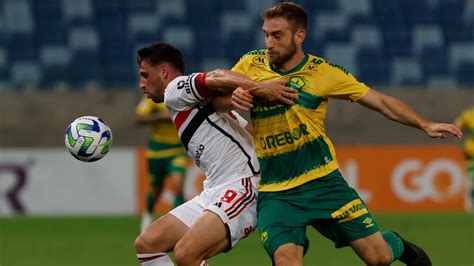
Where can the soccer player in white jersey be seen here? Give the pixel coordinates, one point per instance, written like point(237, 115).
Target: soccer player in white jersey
point(225, 212)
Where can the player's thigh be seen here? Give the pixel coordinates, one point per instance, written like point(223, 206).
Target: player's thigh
point(281, 221)
point(207, 237)
point(157, 169)
point(162, 235)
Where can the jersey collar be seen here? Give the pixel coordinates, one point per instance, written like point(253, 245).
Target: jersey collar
point(296, 68)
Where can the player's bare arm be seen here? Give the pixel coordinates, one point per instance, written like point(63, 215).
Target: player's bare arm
point(222, 103)
point(398, 111)
point(226, 81)
point(274, 91)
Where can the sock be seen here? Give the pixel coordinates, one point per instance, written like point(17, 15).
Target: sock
point(178, 200)
point(395, 244)
point(156, 259)
point(150, 202)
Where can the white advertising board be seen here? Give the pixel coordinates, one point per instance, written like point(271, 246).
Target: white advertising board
point(51, 182)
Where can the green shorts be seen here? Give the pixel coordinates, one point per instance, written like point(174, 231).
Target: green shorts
point(160, 168)
point(327, 204)
point(172, 158)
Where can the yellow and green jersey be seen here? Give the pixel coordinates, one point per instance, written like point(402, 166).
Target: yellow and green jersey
point(466, 121)
point(291, 143)
point(164, 141)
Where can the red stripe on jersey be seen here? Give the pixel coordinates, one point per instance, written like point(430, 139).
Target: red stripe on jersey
point(181, 117)
point(201, 87)
point(247, 190)
point(243, 207)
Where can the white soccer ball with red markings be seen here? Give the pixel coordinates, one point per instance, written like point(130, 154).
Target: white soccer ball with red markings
point(88, 138)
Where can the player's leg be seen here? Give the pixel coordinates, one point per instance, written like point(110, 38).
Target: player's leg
point(231, 215)
point(282, 226)
point(288, 254)
point(156, 171)
point(161, 237)
point(177, 171)
point(207, 237)
point(372, 247)
point(352, 224)
point(153, 244)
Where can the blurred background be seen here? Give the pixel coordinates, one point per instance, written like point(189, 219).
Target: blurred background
point(61, 59)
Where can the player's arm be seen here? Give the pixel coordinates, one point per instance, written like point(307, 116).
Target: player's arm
point(222, 103)
point(226, 81)
point(398, 111)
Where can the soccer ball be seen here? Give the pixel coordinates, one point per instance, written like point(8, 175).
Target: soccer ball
point(88, 138)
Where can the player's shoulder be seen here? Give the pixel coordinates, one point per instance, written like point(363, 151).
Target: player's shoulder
point(325, 65)
point(249, 56)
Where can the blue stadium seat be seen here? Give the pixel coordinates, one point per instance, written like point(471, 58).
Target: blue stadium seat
point(119, 65)
point(21, 47)
point(382, 41)
point(140, 6)
point(373, 68)
point(85, 66)
point(434, 61)
point(465, 74)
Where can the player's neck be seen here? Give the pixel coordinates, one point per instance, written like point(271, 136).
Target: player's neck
point(295, 60)
point(173, 75)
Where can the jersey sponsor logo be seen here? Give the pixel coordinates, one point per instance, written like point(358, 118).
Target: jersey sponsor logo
point(198, 154)
point(284, 138)
point(350, 211)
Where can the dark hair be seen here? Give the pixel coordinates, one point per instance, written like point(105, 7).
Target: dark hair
point(292, 12)
point(158, 53)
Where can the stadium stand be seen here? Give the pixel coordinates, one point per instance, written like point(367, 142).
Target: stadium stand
point(46, 43)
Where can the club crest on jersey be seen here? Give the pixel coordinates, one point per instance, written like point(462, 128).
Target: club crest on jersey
point(296, 82)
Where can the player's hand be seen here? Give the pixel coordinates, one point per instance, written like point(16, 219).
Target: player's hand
point(439, 130)
point(275, 91)
point(242, 99)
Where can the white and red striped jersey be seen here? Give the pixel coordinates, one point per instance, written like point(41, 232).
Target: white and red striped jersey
point(217, 142)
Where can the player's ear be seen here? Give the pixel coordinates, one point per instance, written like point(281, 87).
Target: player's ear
point(300, 35)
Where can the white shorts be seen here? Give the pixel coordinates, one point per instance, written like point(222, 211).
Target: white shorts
point(235, 203)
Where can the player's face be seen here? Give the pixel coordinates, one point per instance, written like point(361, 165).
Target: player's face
point(151, 81)
point(279, 40)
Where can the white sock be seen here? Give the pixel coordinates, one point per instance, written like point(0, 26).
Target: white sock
point(147, 219)
point(156, 259)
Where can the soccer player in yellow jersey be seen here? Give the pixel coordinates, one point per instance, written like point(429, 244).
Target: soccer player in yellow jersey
point(300, 181)
point(466, 121)
point(166, 155)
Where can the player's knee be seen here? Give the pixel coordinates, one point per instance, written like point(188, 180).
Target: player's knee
point(144, 244)
point(287, 257)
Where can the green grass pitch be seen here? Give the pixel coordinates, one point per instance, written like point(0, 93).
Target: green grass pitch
point(104, 241)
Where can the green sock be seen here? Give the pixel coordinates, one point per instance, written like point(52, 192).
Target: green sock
point(150, 202)
point(394, 243)
point(178, 200)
